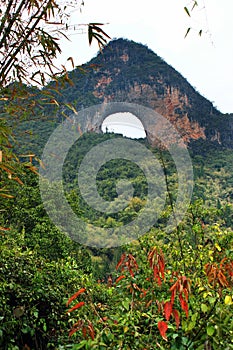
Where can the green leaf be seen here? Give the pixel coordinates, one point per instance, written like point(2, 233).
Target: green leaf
point(25, 329)
point(175, 335)
point(211, 300)
point(204, 308)
point(126, 303)
point(210, 330)
point(191, 325)
point(80, 345)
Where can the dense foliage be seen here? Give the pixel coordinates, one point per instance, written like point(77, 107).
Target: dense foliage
point(160, 296)
point(153, 303)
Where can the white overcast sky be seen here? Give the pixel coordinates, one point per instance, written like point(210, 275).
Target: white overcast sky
point(206, 62)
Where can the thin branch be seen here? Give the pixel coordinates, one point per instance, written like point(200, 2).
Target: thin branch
point(173, 210)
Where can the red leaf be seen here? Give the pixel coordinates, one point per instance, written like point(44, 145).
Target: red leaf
point(185, 282)
point(4, 228)
point(174, 286)
point(120, 278)
point(17, 180)
point(143, 294)
point(120, 262)
point(160, 306)
point(77, 306)
point(78, 324)
point(150, 257)
point(131, 272)
point(72, 331)
point(162, 326)
point(173, 296)
point(176, 317)
point(82, 290)
point(159, 281)
point(222, 262)
point(161, 265)
point(186, 294)
point(84, 330)
point(155, 272)
point(167, 310)
point(132, 258)
point(156, 275)
point(183, 305)
point(91, 330)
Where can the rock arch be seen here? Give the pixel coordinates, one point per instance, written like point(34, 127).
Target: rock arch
point(156, 127)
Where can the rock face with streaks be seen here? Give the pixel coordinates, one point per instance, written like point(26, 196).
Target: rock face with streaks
point(129, 72)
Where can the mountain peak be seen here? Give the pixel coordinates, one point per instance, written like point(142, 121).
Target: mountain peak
point(127, 71)
point(128, 51)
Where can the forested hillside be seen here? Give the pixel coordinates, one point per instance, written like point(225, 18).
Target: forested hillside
point(41, 267)
point(163, 290)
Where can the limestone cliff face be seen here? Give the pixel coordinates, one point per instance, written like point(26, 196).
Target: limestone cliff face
point(171, 105)
point(130, 72)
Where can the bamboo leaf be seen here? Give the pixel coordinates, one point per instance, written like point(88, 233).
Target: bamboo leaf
point(188, 30)
point(187, 11)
